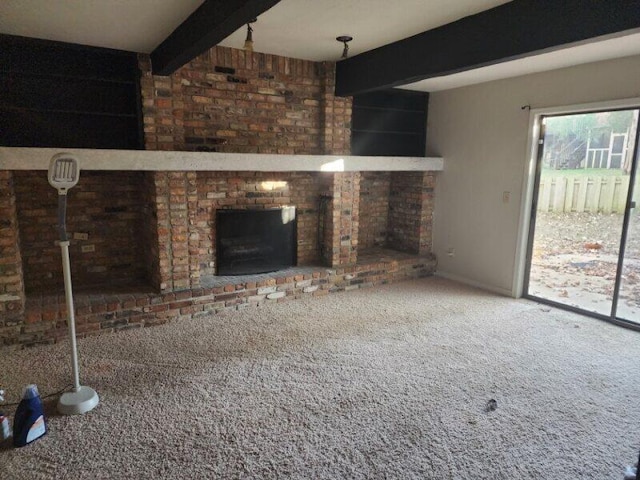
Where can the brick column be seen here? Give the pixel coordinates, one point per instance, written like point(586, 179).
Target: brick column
point(336, 114)
point(11, 279)
point(342, 219)
point(193, 242)
point(161, 205)
point(150, 231)
point(176, 204)
point(411, 211)
point(341, 223)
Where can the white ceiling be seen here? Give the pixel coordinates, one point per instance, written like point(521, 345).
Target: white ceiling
point(294, 28)
point(308, 28)
point(134, 25)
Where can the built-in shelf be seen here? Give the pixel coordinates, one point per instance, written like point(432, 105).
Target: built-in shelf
point(388, 109)
point(62, 76)
point(66, 112)
point(387, 132)
point(22, 158)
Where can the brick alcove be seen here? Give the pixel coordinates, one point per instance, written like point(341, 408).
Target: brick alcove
point(396, 211)
point(106, 219)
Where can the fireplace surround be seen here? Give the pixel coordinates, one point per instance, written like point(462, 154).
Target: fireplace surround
point(255, 241)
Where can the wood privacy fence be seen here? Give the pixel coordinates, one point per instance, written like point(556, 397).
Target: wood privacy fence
point(583, 194)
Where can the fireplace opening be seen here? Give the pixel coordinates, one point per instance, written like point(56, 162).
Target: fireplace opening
point(255, 241)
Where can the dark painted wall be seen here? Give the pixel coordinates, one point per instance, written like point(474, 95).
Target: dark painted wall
point(54, 94)
point(390, 122)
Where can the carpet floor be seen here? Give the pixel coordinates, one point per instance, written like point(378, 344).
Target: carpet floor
point(386, 382)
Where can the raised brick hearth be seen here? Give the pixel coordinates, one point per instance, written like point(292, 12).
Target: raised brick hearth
point(124, 308)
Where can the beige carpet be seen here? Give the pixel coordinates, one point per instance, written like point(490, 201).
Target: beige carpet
point(388, 382)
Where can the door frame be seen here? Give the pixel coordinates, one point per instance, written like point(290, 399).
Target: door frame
point(529, 187)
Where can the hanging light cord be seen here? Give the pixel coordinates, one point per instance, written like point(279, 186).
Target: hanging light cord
point(49, 395)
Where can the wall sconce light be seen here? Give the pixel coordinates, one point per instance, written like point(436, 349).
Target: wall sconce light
point(248, 43)
point(345, 39)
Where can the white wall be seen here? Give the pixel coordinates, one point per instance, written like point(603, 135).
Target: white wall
point(481, 131)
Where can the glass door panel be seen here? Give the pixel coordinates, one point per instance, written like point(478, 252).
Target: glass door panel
point(628, 304)
point(579, 210)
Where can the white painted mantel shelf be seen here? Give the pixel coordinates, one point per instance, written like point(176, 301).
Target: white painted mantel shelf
point(19, 158)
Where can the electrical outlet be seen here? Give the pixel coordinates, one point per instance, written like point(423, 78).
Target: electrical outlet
point(88, 248)
point(451, 252)
point(80, 236)
point(506, 196)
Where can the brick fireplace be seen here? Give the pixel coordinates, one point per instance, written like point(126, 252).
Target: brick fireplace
point(144, 223)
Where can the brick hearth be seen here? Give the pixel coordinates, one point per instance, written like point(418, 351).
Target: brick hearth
point(122, 308)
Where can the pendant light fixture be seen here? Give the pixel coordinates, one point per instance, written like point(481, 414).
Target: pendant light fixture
point(248, 43)
point(345, 39)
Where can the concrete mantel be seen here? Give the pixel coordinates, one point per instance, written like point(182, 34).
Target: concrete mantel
point(19, 158)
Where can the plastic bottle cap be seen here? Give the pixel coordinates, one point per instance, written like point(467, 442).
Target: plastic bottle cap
point(30, 391)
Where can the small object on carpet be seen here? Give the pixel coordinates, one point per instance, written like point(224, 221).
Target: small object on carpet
point(492, 405)
point(630, 473)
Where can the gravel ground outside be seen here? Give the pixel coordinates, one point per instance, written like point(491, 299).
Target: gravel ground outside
point(575, 259)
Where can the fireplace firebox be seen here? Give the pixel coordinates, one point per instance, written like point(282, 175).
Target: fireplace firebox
point(255, 241)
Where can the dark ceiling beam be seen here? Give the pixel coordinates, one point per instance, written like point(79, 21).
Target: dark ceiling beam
point(211, 23)
point(514, 30)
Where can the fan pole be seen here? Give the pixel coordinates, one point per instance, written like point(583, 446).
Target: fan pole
point(71, 319)
point(64, 172)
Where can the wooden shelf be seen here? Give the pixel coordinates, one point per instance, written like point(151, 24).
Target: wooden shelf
point(66, 112)
point(388, 109)
point(23, 158)
point(387, 132)
point(67, 77)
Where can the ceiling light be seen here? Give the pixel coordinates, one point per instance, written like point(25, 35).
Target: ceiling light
point(345, 39)
point(248, 43)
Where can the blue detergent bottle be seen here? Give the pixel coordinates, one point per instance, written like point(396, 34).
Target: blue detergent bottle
point(29, 423)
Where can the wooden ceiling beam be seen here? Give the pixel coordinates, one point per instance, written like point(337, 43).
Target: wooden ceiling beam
point(209, 24)
point(513, 30)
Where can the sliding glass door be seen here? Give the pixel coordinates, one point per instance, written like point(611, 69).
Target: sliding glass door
point(584, 243)
point(628, 295)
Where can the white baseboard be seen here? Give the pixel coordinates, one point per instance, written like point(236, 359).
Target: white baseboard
point(457, 278)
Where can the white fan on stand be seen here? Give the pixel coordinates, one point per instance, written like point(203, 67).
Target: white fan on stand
point(64, 172)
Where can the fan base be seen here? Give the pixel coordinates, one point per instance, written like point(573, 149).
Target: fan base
point(76, 403)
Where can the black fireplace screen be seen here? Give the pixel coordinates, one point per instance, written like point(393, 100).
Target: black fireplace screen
point(255, 241)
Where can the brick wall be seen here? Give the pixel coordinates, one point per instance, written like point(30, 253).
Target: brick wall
point(374, 209)
point(158, 228)
point(229, 100)
point(11, 279)
point(107, 206)
point(411, 211)
point(149, 230)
